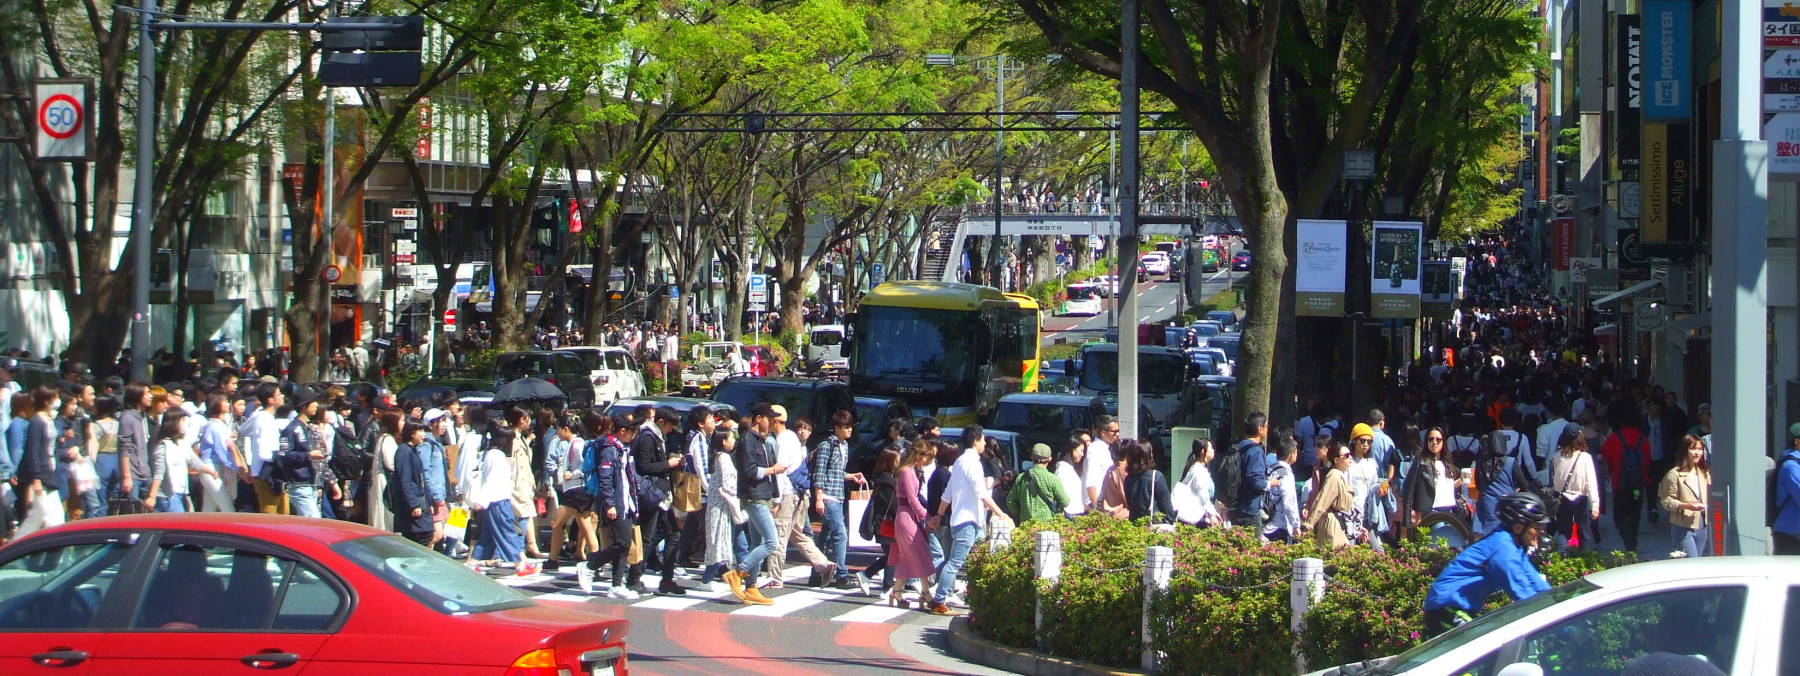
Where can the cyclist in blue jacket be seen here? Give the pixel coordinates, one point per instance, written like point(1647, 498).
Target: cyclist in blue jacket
point(1499, 562)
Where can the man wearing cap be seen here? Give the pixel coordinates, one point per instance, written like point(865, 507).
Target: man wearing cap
point(300, 458)
point(1787, 496)
point(433, 464)
point(1037, 494)
point(789, 509)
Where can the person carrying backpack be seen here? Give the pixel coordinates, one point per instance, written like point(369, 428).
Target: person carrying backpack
point(1785, 496)
point(1498, 473)
point(1627, 455)
point(1245, 474)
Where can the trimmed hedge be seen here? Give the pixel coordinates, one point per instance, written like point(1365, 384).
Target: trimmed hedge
point(1226, 610)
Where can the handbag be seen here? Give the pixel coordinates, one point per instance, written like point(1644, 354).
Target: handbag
point(687, 492)
point(1560, 507)
point(457, 525)
point(118, 506)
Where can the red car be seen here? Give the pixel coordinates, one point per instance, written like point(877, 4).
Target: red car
point(242, 593)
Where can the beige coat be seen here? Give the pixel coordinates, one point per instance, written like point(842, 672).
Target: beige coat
point(524, 490)
point(1333, 497)
point(1684, 486)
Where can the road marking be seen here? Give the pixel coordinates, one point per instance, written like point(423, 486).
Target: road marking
point(785, 604)
point(878, 611)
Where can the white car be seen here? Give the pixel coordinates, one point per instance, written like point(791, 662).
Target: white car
point(1154, 263)
point(1083, 299)
point(1741, 614)
point(614, 371)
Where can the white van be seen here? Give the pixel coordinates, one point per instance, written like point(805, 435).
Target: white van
point(826, 346)
point(615, 373)
point(1083, 299)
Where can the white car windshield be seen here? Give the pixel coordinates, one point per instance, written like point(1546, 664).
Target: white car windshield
point(1474, 629)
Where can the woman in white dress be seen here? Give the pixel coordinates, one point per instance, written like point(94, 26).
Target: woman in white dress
point(1197, 479)
point(723, 512)
point(388, 421)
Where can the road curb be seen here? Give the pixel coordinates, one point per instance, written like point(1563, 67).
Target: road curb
point(964, 643)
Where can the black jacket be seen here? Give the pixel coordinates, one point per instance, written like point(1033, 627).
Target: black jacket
point(406, 492)
point(651, 454)
point(753, 455)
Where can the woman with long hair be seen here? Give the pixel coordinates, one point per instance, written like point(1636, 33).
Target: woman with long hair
point(882, 513)
point(1432, 484)
point(1683, 493)
point(491, 497)
point(388, 423)
point(1197, 479)
point(724, 513)
point(1572, 474)
point(171, 463)
point(1068, 471)
point(1146, 495)
point(909, 554)
point(1333, 515)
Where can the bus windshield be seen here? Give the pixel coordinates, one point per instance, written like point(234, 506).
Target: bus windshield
point(939, 345)
point(1157, 373)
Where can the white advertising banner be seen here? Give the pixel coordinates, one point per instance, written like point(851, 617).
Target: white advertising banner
point(1320, 267)
point(1394, 271)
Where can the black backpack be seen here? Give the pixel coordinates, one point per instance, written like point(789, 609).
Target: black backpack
point(1228, 472)
point(881, 508)
point(350, 459)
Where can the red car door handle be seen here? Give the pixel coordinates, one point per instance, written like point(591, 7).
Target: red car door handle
point(60, 657)
point(270, 659)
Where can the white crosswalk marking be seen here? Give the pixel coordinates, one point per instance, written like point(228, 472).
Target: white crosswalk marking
point(785, 604)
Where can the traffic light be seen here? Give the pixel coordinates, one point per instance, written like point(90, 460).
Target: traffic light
point(384, 57)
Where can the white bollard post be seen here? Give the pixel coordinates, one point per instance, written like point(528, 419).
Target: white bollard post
point(1046, 566)
point(999, 536)
point(1159, 564)
point(1308, 587)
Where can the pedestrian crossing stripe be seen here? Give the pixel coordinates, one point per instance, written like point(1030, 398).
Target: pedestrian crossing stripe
point(785, 604)
point(792, 601)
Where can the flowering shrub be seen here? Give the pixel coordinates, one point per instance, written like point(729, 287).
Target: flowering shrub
point(1226, 610)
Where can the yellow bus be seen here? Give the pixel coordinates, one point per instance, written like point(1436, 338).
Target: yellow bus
point(949, 350)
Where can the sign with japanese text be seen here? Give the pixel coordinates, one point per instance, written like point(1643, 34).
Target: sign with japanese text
point(1322, 257)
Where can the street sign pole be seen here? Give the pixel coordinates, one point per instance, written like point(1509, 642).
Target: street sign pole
point(1128, 207)
point(141, 196)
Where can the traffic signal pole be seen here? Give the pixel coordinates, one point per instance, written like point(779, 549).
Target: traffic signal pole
point(1128, 219)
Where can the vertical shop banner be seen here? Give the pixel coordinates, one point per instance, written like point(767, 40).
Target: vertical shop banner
point(1667, 208)
point(1562, 242)
point(1320, 268)
point(1668, 75)
point(1630, 91)
point(1394, 270)
point(202, 281)
point(1437, 295)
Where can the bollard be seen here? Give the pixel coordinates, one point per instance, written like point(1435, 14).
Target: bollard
point(1307, 589)
point(1047, 566)
point(1159, 564)
point(999, 536)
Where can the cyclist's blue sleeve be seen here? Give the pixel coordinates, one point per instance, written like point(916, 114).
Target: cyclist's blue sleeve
point(1514, 573)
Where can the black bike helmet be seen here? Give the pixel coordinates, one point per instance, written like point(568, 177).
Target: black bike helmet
point(1523, 507)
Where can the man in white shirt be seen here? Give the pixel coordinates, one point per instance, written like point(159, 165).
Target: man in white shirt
point(1515, 443)
point(790, 515)
point(964, 499)
point(1549, 433)
point(260, 436)
point(1099, 458)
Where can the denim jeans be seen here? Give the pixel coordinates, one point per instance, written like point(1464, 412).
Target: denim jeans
point(303, 499)
point(962, 539)
point(832, 538)
point(934, 541)
point(500, 535)
point(1691, 541)
point(107, 466)
point(173, 504)
point(761, 536)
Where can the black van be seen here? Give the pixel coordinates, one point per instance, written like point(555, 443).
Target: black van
point(814, 399)
point(563, 369)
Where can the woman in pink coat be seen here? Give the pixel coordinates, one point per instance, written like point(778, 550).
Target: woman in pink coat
point(910, 558)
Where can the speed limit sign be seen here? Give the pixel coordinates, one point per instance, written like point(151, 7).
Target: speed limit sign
point(331, 274)
point(61, 122)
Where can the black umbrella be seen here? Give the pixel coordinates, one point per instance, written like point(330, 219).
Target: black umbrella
point(528, 390)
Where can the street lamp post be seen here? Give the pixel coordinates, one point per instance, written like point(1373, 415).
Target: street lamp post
point(996, 262)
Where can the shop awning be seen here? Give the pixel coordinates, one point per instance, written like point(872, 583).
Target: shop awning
point(1627, 293)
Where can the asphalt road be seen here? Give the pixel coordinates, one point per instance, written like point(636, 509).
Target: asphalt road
point(1157, 301)
point(808, 632)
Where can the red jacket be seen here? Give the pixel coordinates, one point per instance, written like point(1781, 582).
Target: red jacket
point(1613, 452)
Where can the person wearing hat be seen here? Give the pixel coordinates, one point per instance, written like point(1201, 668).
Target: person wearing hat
point(434, 463)
point(1037, 494)
point(1787, 496)
point(300, 458)
point(1499, 562)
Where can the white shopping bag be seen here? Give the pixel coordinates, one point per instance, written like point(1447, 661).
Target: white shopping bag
point(46, 511)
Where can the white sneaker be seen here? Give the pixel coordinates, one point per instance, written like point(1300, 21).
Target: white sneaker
point(623, 592)
point(956, 600)
point(862, 583)
point(584, 578)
